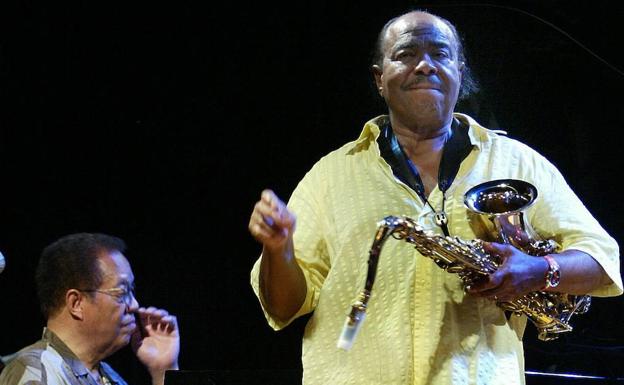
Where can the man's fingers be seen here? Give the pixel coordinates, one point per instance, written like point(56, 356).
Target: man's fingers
point(158, 319)
point(264, 209)
point(167, 324)
point(266, 223)
point(269, 197)
point(261, 218)
point(275, 204)
point(152, 311)
point(263, 232)
point(266, 195)
point(271, 211)
point(500, 249)
point(497, 288)
point(271, 223)
point(268, 220)
point(483, 287)
point(271, 208)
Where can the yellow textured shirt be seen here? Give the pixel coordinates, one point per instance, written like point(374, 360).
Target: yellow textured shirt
point(420, 328)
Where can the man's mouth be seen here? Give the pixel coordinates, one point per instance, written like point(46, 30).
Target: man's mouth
point(423, 87)
point(129, 325)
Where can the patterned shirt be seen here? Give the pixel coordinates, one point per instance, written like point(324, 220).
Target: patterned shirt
point(50, 362)
point(421, 328)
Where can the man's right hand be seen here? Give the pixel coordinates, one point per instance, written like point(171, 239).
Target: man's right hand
point(271, 223)
point(282, 283)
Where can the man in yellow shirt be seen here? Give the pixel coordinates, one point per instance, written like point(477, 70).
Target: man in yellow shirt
point(422, 327)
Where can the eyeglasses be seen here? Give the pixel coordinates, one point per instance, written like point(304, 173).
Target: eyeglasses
point(122, 294)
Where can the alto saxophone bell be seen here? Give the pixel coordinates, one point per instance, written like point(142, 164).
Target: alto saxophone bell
point(497, 213)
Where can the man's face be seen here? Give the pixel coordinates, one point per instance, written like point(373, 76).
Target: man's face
point(421, 73)
point(110, 314)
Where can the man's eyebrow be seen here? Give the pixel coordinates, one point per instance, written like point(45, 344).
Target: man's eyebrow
point(125, 282)
point(414, 42)
point(440, 43)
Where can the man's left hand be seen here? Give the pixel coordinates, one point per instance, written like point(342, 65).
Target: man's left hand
point(156, 341)
point(517, 275)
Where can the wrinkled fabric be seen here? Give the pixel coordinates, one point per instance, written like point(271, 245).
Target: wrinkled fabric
point(420, 328)
point(50, 362)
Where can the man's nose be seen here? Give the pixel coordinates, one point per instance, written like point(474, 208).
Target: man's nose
point(133, 305)
point(425, 66)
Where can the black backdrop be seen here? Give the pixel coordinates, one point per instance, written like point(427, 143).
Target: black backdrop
point(161, 123)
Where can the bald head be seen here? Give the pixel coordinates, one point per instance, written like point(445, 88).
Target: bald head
point(413, 19)
point(420, 19)
point(415, 22)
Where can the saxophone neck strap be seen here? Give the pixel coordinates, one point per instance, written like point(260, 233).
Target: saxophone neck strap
point(455, 150)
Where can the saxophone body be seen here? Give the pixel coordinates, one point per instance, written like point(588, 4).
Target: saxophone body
point(496, 214)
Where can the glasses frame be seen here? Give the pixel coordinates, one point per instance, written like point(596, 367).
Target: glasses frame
point(123, 295)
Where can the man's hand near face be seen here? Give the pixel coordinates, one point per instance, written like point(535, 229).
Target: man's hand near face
point(156, 341)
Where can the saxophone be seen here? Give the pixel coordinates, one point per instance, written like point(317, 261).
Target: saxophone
point(496, 213)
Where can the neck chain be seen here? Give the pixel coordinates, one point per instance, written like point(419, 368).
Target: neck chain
point(456, 149)
point(100, 378)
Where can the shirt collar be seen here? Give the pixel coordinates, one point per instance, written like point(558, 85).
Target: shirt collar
point(372, 129)
point(78, 368)
point(480, 136)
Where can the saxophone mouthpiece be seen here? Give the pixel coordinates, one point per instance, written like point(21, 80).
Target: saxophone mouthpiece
point(350, 330)
point(353, 323)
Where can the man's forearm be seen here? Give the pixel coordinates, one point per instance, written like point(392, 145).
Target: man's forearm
point(158, 378)
point(282, 283)
point(158, 375)
point(580, 273)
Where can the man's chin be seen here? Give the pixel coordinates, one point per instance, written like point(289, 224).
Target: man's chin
point(127, 331)
point(125, 340)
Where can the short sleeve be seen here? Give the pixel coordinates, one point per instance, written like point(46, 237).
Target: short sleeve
point(561, 215)
point(309, 243)
point(18, 373)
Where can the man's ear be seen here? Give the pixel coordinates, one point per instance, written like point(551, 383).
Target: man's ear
point(461, 67)
point(378, 74)
point(74, 303)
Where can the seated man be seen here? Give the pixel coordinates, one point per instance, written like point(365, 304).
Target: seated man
point(86, 292)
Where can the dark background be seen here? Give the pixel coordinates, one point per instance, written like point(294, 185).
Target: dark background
point(161, 124)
